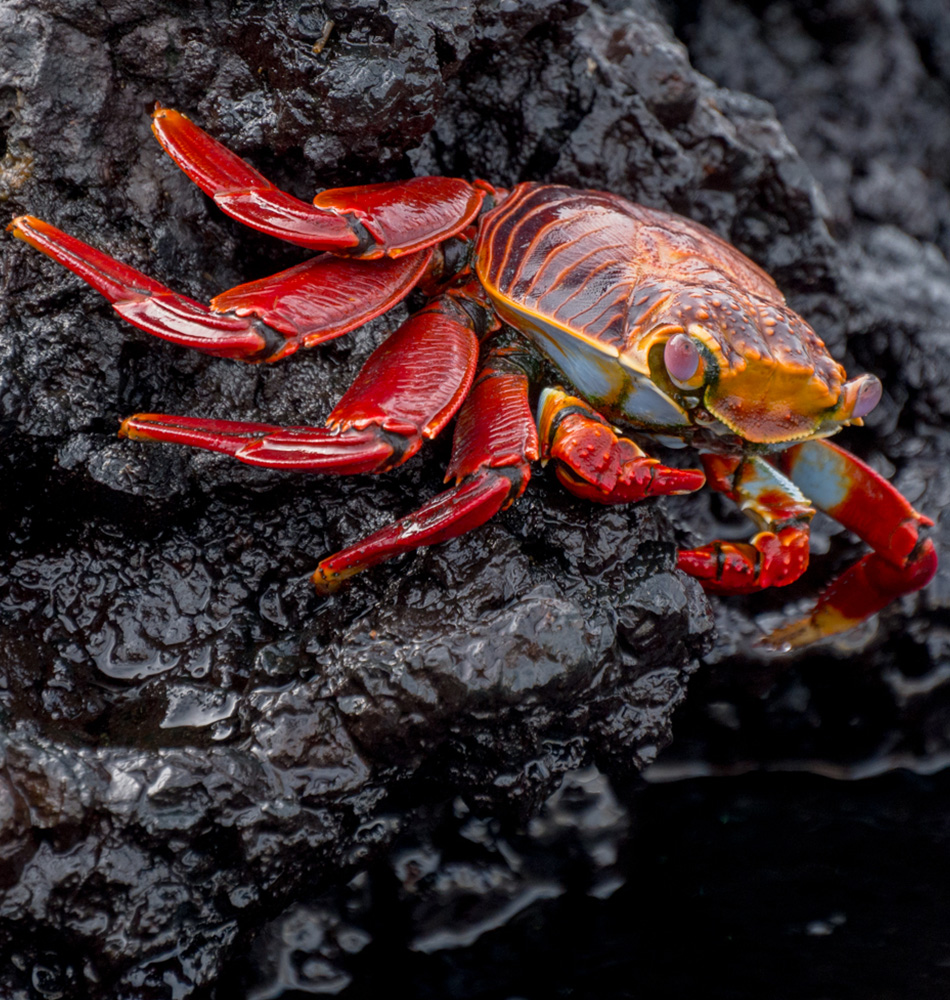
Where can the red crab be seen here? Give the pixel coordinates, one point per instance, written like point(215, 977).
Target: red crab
point(650, 323)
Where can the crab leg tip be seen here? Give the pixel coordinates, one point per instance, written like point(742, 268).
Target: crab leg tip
point(465, 506)
point(136, 427)
point(22, 225)
point(139, 426)
point(147, 303)
point(863, 590)
point(326, 582)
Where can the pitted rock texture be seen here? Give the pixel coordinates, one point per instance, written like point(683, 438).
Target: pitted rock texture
point(202, 760)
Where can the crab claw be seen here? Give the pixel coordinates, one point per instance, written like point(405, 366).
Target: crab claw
point(595, 463)
point(771, 559)
point(903, 560)
point(638, 477)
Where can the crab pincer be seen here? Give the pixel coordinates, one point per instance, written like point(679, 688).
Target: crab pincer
point(594, 462)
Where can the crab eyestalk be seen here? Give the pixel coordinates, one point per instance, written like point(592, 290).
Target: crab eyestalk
point(858, 398)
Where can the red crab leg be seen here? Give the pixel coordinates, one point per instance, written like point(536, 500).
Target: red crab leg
point(406, 392)
point(259, 321)
point(595, 463)
point(369, 221)
point(495, 439)
point(865, 503)
point(776, 556)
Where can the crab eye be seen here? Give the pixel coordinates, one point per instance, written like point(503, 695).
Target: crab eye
point(869, 395)
point(683, 362)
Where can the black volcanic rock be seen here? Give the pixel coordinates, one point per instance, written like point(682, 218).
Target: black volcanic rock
point(203, 761)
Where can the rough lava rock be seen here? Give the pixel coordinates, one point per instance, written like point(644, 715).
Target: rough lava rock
point(210, 777)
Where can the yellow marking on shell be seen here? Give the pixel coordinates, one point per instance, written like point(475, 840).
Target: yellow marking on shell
point(768, 400)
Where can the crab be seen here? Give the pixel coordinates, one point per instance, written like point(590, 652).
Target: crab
point(564, 325)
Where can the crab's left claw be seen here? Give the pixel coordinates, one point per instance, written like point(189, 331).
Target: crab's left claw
point(776, 556)
point(903, 561)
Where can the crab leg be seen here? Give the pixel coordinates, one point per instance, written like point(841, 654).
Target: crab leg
point(595, 463)
point(495, 439)
point(857, 497)
point(259, 321)
point(776, 556)
point(369, 221)
point(406, 392)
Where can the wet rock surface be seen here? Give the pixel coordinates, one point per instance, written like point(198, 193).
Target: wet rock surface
point(214, 783)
